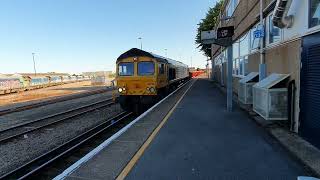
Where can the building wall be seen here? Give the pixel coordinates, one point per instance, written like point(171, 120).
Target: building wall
point(245, 15)
point(284, 57)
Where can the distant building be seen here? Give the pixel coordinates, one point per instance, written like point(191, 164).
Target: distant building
point(100, 77)
point(97, 73)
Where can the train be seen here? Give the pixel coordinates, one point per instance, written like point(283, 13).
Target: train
point(18, 82)
point(197, 73)
point(143, 78)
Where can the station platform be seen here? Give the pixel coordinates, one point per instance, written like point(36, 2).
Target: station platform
point(190, 136)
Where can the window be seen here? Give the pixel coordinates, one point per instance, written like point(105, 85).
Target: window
point(240, 55)
point(126, 69)
point(231, 7)
point(161, 68)
point(145, 68)
point(218, 60)
point(254, 42)
point(235, 50)
point(224, 56)
point(245, 44)
point(314, 13)
point(274, 32)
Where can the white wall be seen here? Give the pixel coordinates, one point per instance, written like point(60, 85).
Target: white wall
point(299, 9)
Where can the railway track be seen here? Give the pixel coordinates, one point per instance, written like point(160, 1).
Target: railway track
point(51, 101)
point(38, 167)
point(22, 129)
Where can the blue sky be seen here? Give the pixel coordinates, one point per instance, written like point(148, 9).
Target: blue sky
point(88, 35)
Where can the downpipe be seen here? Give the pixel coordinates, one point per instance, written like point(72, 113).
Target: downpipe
point(280, 15)
point(291, 104)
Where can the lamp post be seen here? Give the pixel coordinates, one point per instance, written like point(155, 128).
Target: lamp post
point(140, 38)
point(34, 65)
point(208, 67)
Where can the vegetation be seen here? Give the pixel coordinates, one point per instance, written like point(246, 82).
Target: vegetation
point(206, 24)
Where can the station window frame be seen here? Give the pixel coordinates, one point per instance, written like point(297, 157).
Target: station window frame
point(310, 26)
point(252, 39)
point(231, 7)
point(268, 32)
point(240, 56)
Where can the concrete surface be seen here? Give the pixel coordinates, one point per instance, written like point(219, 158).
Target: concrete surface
point(108, 163)
point(299, 148)
point(201, 140)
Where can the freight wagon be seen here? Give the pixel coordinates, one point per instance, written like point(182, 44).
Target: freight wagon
point(9, 85)
point(18, 82)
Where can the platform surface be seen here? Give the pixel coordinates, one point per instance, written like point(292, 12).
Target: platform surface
point(201, 140)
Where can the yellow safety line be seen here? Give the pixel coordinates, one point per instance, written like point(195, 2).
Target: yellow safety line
point(137, 156)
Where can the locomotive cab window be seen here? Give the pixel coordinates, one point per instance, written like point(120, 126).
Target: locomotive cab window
point(161, 69)
point(126, 69)
point(172, 74)
point(145, 68)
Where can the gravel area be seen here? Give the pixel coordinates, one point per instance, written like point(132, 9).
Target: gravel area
point(22, 150)
point(36, 113)
point(49, 92)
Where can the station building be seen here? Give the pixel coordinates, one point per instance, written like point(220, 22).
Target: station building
point(293, 50)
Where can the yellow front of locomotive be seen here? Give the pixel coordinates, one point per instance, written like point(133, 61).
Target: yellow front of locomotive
point(137, 76)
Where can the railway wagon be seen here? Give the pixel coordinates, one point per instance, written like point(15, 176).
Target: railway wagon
point(39, 82)
point(55, 79)
point(66, 79)
point(143, 78)
point(8, 85)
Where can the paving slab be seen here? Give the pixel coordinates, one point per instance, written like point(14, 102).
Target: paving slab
point(109, 162)
point(201, 140)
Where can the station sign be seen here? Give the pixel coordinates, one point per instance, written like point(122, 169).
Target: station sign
point(208, 37)
point(222, 36)
point(225, 32)
point(259, 32)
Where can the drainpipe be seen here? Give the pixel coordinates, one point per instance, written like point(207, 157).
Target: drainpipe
point(262, 65)
point(229, 79)
point(280, 14)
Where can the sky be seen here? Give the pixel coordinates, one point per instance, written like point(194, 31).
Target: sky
point(77, 36)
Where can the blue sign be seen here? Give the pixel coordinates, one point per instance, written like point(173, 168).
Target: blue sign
point(258, 33)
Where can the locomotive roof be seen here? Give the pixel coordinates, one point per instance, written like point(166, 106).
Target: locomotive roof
point(134, 52)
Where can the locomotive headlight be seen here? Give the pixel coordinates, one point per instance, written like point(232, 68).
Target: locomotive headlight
point(121, 90)
point(152, 89)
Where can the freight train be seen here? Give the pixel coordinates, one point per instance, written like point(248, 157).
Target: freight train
point(16, 83)
point(143, 78)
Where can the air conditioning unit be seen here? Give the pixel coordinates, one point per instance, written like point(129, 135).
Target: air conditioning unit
point(245, 87)
point(270, 97)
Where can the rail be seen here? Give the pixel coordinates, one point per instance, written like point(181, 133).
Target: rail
point(20, 129)
point(30, 169)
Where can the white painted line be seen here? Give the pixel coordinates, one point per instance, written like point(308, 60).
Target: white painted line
point(96, 150)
